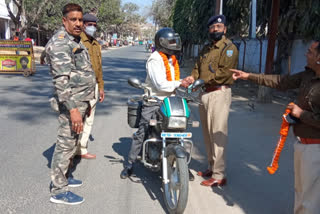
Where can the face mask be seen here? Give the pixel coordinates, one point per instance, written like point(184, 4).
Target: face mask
point(216, 36)
point(90, 30)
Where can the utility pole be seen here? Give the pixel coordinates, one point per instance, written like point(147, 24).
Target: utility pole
point(253, 19)
point(264, 93)
point(219, 5)
point(273, 29)
point(39, 40)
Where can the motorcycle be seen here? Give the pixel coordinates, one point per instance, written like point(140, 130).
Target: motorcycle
point(165, 147)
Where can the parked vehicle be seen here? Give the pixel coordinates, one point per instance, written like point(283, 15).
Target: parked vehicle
point(103, 44)
point(167, 146)
point(148, 48)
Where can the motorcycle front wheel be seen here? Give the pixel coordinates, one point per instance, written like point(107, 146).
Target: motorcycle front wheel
point(176, 190)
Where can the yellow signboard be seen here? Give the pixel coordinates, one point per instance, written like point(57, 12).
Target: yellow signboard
point(15, 45)
point(17, 63)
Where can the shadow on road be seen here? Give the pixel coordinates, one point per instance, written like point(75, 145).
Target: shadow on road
point(223, 192)
point(48, 154)
point(152, 182)
point(141, 175)
point(252, 136)
point(122, 148)
point(38, 89)
point(73, 162)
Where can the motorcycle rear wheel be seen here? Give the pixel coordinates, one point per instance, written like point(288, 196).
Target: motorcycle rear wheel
point(176, 191)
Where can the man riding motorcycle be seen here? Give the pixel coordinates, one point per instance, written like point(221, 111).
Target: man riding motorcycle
point(163, 77)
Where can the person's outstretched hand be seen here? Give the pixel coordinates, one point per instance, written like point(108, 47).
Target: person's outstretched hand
point(187, 81)
point(238, 74)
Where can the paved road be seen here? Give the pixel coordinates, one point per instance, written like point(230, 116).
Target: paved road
point(28, 131)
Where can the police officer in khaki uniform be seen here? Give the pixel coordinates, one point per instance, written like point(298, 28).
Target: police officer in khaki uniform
point(213, 66)
point(94, 49)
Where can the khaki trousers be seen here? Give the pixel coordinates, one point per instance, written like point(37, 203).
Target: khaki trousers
point(307, 178)
point(83, 146)
point(214, 115)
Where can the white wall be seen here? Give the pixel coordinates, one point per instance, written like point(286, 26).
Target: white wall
point(298, 60)
point(252, 55)
point(5, 19)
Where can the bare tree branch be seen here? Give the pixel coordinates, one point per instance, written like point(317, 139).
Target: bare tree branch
point(16, 3)
point(14, 18)
point(39, 11)
point(34, 16)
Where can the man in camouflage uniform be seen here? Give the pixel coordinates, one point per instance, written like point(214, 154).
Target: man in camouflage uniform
point(74, 83)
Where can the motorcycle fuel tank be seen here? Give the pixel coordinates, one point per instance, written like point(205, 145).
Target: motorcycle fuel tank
point(175, 106)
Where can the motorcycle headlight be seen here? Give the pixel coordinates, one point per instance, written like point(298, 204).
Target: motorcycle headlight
point(177, 123)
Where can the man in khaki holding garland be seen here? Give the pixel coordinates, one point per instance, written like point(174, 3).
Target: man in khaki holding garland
point(213, 66)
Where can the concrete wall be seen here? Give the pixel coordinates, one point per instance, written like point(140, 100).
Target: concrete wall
point(298, 58)
point(251, 58)
point(249, 55)
point(5, 21)
point(252, 55)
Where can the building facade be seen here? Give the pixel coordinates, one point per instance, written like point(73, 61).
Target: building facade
point(5, 22)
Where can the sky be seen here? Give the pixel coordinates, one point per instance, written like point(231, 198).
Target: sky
point(141, 3)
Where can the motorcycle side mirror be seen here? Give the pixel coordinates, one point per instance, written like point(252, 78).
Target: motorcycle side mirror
point(197, 84)
point(134, 82)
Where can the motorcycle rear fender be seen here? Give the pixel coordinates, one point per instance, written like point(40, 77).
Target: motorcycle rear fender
point(177, 150)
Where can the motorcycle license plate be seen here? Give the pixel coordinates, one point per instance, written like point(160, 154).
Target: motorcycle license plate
point(176, 135)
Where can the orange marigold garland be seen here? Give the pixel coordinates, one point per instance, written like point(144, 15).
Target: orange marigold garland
point(283, 136)
point(175, 65)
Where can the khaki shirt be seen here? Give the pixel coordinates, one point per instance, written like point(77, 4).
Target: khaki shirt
point(215, 61)
point(308, 98)
point(94, 50)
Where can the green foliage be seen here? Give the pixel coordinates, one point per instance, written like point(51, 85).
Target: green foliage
point(161, 12)
point(130, 25)
point(112, 17)
point(109, 13)
point(297, 18)
point(190, 19)
point(47, 14)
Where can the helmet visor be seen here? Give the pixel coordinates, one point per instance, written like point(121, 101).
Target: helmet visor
point(171, 43)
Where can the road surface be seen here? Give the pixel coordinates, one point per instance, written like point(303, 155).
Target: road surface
point(28, 131)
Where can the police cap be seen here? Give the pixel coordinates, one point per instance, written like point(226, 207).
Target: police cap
point(216, 19)
point(89, 18)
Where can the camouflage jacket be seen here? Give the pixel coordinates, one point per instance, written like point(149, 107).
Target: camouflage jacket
point(73, 77)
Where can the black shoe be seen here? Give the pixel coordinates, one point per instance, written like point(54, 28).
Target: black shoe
point(191, 176)
point(126, 172)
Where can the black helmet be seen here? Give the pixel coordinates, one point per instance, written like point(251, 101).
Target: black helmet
point(168, 41)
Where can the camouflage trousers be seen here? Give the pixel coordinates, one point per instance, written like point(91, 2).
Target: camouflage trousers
point(66, 147)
